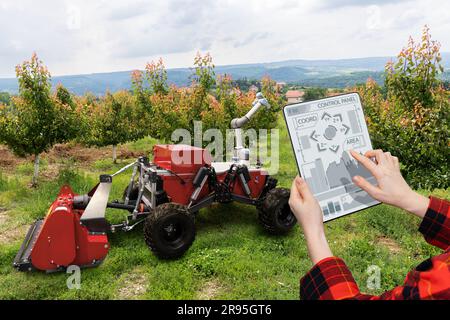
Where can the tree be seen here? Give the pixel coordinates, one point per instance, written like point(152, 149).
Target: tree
point(227, 96)
point(412, 122)
point(68, 123)
point(244, 84)
point(315, 93)
point(112, 121)
point(413, 79)
point(34, 121)
point(5, 98)
point(156, 75)
point(203, 79)
point(145, 86)
point(213, 101)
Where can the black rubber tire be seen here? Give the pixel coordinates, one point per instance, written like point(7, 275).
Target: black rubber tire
point(133, 194)
point(169, 244)
point(275, 214)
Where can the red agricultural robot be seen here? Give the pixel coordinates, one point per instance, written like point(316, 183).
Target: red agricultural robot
point(165, 195)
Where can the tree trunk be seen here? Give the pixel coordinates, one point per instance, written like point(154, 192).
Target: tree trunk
point(36, 170)
point(114, 153)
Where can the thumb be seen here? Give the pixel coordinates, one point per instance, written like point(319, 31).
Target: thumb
point(303, 188)
point(372, 190)
point(295, 196)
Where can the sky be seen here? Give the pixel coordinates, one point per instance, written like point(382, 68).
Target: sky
point(89, 36)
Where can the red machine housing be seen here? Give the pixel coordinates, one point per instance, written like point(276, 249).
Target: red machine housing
point(62, 240)
point(185, 161)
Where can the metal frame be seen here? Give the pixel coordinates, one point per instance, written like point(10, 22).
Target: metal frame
point(147, 176)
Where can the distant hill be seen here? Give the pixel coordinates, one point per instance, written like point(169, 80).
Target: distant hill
point(322, 73)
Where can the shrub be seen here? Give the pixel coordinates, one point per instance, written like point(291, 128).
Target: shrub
point(212, 100)
point(412, 122)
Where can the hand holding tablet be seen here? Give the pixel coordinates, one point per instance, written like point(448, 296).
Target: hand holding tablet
point(322, 132)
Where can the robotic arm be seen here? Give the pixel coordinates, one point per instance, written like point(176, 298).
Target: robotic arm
point(240, 153)
point(238, 123)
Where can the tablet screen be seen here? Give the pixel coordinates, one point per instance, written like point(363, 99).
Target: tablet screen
point(321, 134)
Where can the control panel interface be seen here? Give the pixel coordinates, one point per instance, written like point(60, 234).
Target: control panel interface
point(321, 133)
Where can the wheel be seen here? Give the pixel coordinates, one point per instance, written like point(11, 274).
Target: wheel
point(133, 193)
point(275, 214)
point(169, 231)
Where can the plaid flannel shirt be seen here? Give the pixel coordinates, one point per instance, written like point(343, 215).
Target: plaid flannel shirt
point(330, 278)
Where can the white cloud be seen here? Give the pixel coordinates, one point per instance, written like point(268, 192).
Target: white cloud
point(85, 36)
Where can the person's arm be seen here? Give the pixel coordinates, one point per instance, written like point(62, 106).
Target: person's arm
point(435, 226)
point(329, 278)
point(392, 189)
point(308, 213)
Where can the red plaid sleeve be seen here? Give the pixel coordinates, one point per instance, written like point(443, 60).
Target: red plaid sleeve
point(435, 225)
point(330, 279)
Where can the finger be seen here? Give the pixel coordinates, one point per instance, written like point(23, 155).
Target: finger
point(378, 154)
point(295, 196)
point(396, 162)
point(366, 162)
point(303, 189)
point(389, 157)
point(372, 190)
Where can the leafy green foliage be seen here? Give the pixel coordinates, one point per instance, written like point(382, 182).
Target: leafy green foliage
point(203, 74)
point(110, 120)
point(214, 101)
point(413, 78)
point(5, 98)
point(36, 120)
point(156, 75)
point(244, 83)
point(67, 123)
point(314, 94)
point(412, 122)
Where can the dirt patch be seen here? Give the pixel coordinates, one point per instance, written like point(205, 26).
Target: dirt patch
point(128, 154)
point(209, 290)
point(86, 156)
point(390, 244)
point(133, 285)
point(8, 160)
point(77, 153)
point(83, 156)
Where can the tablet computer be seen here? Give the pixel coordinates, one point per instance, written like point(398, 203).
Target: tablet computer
point(321, 133)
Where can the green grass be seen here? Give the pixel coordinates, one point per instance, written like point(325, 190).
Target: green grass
point(231, 258)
